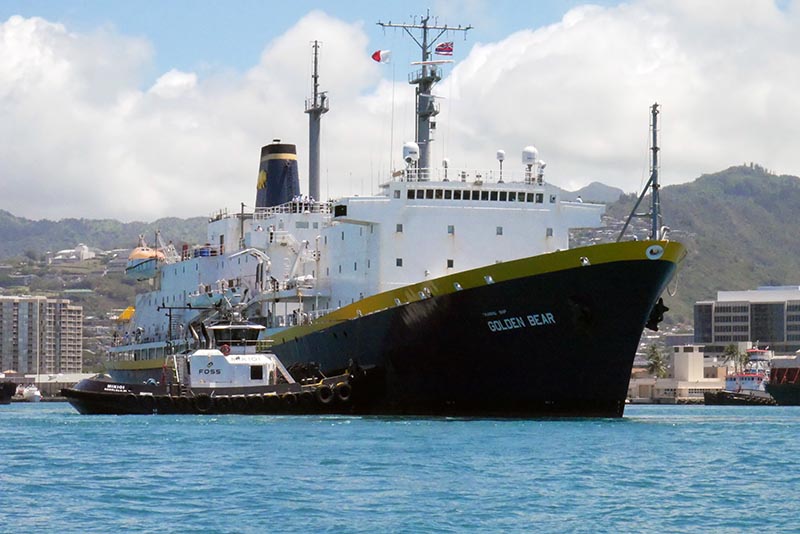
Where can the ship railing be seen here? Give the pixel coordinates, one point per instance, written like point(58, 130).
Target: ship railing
point(472, 176)
point(295, 206)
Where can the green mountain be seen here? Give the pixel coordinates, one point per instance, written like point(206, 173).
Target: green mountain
point(20, 235)
point(740, 228)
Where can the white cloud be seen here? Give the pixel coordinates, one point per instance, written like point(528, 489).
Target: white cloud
point(84, 136)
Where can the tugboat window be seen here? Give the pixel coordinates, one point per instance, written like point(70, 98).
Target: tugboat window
point(456, 195)
point(476, 195)
point(484, 195)
point(448, 194)
point(439, 194)
point(512, 196)
point(449, 264)
point(503, 196)
point(396, 193)
point(256, 372)
point(451, 229)
point(530, 197)
point(429, 193)
point(494, 195)
point(499, 230)
point(399, 229)
point(399, 262)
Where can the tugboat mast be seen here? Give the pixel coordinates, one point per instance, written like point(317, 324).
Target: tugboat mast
point(652, 184)
point(424, 79)
point(315, 107)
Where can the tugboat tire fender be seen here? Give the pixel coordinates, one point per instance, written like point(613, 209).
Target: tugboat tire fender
point(343, 391)
point(325, 394)
point(202, 402)
point(289, 399)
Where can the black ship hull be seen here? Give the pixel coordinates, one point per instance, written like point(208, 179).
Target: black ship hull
point(555, 344)
point(732, 398)
point(334, 395)
point(785, 394)
point(7, 390)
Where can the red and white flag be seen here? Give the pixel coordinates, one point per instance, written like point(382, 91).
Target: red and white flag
point(444, 49)
point(382, 56)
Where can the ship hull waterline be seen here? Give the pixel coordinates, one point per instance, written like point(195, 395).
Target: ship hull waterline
point(552, 344)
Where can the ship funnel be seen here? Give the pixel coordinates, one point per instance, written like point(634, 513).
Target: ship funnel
point(278, 180)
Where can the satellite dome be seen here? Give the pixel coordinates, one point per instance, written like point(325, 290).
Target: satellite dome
point(529, 155)
point(501, 155)
point(410, 152)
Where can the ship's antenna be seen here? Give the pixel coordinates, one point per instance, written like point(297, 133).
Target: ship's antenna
point(652, 184)
point(315, 107)
point(424, 79)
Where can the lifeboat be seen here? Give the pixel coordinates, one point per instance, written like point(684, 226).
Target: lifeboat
point(143, 261)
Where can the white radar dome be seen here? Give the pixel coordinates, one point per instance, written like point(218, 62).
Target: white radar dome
point(501, 155)
point(410, 152)
point(529, 155)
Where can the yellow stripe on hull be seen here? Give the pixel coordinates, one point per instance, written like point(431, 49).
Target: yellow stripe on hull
point(670, 251)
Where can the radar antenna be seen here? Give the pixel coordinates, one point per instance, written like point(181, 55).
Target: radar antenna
point(424, 79)
point(657, 231)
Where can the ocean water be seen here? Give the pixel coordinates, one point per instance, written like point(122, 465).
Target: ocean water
point(659, 469)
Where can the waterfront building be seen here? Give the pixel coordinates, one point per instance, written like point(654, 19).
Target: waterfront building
point(768, 315)
point(687, 380)
point(40, 335)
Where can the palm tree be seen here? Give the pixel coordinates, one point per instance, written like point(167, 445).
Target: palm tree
point(739, 359)
point(656, 363)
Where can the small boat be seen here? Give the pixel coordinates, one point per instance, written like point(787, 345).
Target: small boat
point(229, 374)
point(29, 393)
point(745, 387)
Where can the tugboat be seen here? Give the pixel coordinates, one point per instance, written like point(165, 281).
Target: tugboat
point(229, 374)
point(747, 386)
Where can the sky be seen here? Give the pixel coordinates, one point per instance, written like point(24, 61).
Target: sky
point(150, 109)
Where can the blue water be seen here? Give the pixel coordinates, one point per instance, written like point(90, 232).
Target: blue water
point(659, 469)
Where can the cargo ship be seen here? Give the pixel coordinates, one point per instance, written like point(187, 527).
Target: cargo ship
point(784, 381)
point(457, 287)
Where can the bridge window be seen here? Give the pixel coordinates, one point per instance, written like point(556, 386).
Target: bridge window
point(256, 372)
point(410, 193)
point(529, 197)
point(539, 198)
point(420, 193)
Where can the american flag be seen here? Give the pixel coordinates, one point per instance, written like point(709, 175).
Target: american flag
point(444, 49)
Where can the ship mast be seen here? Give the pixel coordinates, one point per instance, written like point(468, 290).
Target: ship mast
point(315, 107)
point(429, 74)
point(652, 184)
